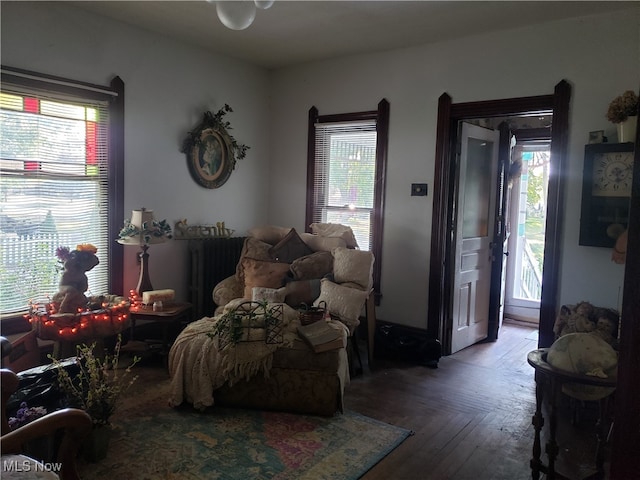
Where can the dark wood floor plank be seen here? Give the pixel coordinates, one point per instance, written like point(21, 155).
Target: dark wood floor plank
point(471, 415)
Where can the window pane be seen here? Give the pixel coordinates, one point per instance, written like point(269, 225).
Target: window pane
point(352, 169)
point(345, 176)
point(48, 195)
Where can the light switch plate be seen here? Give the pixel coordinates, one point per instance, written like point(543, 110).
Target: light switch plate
point(418, 189)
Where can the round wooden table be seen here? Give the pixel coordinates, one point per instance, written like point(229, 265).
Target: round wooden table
point(550, 380)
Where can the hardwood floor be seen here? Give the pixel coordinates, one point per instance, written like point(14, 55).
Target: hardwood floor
point(471, 415)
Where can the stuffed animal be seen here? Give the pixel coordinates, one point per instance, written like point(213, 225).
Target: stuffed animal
point(74, 281)
point(574, 320)
point(586, 318)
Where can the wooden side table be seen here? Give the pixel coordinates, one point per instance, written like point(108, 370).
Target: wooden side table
point(550, 380)
point(171, 316)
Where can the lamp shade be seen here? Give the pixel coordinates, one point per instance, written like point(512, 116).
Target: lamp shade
point(143, 229)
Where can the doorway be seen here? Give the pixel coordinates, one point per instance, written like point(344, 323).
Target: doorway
point(442, 264)
point(526, 222)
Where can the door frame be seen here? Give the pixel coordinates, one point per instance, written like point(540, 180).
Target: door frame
point(439, 321)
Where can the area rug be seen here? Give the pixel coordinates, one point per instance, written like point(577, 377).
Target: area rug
point(228, 444)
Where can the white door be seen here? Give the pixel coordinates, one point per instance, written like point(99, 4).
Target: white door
point(474, 230)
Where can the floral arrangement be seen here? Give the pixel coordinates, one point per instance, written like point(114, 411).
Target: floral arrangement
point(155, 230)
point(99, 384)
point(623, 106)
point(25, 415)
point(215, 120)
point(65, 253)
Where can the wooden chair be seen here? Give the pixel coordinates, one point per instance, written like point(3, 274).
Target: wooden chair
point(75, 423)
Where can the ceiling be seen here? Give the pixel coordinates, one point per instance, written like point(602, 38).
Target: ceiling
point(293, 32)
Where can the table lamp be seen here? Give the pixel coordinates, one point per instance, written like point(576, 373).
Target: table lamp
point(143, 230)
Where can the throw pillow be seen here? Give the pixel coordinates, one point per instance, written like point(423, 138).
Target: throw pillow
point(271, 234)
point(270, 295)
point(298, 292)
point(335, 230)
point(318, 243)
point(289, 248)
point(344, 302)
point(353, 266)
point(258, 273)
point(316, 265)
point(252, 248)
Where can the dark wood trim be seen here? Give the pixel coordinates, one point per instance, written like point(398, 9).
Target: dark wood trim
point(381, 115)
point(538, 105)
point(382, 144)
point(311, 166)
point(555, 214)
point(46, 82)
point(116, 187)
point(441, 265)
point(349, 117)
point(438, 308)
point(625, 461)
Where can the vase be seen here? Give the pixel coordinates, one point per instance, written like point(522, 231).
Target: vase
point(627, 129)
point(96, 445)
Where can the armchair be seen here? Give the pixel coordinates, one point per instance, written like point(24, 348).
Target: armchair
point(74, 422)
point(283, 267)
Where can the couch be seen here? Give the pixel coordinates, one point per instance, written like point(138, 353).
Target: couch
point(282, 267)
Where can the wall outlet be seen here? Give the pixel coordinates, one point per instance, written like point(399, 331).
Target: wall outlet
point(418, 189)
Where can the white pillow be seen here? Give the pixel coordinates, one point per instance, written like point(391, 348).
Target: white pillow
point(344, 302)
point(318, 243)
point(271, 295)
point(335, 230)
point(353, 266)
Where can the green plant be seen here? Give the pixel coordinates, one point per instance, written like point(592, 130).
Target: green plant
point(216, 121)
point(99, 384)
point(230, 327)
point(622, 107)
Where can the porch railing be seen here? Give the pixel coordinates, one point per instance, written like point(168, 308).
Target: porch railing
point(531, 277)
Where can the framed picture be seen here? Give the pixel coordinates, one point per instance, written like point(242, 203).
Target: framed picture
point(211, 151)
point(596, 137)
point(209, 161)
point(606, 192)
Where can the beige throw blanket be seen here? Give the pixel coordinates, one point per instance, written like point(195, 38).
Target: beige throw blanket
point(198, 366)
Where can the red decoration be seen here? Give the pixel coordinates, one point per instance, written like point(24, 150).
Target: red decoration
point(109, 320)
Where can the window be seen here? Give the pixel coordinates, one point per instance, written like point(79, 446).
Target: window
point(58, 178)
point(346, 175)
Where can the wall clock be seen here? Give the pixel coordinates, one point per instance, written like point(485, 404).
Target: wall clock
point(606, 190)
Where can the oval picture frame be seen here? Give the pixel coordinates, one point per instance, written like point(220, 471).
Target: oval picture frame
point(211, 152)
point(211, 160)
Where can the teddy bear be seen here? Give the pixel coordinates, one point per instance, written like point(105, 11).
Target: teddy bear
point(574, 319)
point(586, 318)
point(74, 281)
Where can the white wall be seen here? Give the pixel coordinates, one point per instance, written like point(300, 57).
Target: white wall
point(598, 55)
point(168, 87)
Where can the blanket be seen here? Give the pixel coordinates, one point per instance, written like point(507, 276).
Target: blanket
point(198, 366)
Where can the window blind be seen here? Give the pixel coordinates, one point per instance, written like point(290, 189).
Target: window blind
point(344, 176)
point(53, 190)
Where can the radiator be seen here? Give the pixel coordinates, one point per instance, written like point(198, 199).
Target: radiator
point(211, 261)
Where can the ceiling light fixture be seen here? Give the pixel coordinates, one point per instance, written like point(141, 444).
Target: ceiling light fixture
point(239, 14)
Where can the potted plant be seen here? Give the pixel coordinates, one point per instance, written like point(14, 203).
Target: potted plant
point(623, 111)
point(96, 389)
